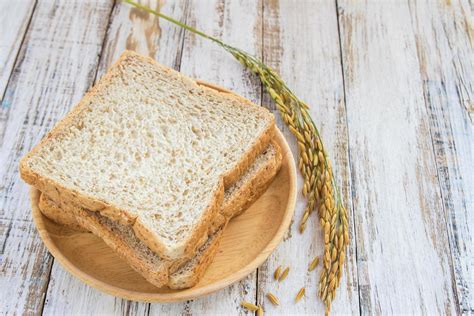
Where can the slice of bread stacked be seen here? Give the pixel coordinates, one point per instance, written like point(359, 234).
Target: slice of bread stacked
point(155, 165)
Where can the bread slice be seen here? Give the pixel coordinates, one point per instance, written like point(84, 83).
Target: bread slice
point(161, 272)
point(150, 148)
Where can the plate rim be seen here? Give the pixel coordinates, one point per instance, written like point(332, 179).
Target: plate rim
point(190, 293)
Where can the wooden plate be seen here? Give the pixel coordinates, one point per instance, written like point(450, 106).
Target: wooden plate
point(248, 240)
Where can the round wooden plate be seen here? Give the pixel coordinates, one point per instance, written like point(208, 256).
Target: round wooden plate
point(247, 242)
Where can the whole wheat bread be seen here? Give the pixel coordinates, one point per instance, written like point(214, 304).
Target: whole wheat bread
point(192, 271)
point(55, 213)
point(148, 147)
point(177, 273)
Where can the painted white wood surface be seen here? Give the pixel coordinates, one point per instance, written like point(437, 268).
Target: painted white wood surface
point(56, 65)
point(132, 29)
point(403, 255)
point(446, 62)
point(14, 19)
point(306, 53)
point(68, 296)
point(390, 84)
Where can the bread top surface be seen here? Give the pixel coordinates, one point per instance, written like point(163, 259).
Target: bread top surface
point(150, 143)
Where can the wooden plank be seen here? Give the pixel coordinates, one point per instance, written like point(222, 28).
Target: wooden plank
point(56, 65)
point(69, 296)
point(444, 43)
point(239, 24)
point(300, 41)
point(403, 255)
point(14, 19)
point(223, 302)
point(134, 30)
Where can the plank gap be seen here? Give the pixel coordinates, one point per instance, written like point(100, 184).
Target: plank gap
point(349, 154)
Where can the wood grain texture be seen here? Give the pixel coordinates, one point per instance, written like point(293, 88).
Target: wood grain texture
point(403, 255)
point(144, 33)
point(14, 19)
point(446, 65)
point(78, 298)
point(306, 53)
point(162, 42)
point(237, 23)
point(56, 64)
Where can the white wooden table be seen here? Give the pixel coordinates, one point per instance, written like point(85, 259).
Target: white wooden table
point(390, 83)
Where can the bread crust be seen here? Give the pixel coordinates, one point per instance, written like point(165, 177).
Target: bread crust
point(250, 190)
point(123, 216)
point(54, 212)
point(178, 281)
